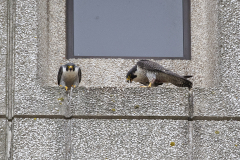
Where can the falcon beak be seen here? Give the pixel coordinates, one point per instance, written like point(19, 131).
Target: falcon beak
point(129, 80)
point(70, 67)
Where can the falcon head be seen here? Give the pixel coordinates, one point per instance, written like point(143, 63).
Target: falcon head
point(70, 67)
point(130, 75)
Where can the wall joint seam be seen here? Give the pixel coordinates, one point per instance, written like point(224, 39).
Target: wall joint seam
point(10, 78)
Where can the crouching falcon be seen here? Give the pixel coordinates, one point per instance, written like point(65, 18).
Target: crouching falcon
point(69, 76)
point(151, 74)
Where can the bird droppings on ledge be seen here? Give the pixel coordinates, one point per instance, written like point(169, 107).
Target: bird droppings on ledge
point(61, 99)
point(172, 144)
point(136, 107)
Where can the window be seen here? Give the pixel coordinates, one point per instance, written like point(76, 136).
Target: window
point(153, 29)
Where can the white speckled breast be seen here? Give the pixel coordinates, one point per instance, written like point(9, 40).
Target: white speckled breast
point(141, 75)
point(70, 76)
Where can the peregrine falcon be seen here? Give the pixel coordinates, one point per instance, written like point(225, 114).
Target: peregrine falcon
point(69, 76)
point(151, 74)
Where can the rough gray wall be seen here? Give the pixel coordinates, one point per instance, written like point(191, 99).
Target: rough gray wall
point(99, 139)
point(3, 138)
point(3, 54)
point(43, 138)
point(216, 140)
point(224, 100)
point(106, 117)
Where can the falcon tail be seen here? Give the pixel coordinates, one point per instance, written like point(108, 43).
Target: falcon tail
point(185, 83)
point(189, 84)
point(182, 82)
point(187, 76)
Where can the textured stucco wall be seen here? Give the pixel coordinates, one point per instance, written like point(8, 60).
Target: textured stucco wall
point(3, 134)
point(224, 100)
point(99, 139)
point(216, 140)
point(106, 117)
point(3, 54)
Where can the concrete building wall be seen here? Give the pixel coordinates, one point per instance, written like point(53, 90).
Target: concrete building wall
point(107, 118)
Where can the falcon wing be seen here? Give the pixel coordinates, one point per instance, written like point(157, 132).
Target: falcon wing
point(168, 75)
point(79, 74)
point(178, 80)
point(150, 66)
point(155, 67)
point(60, 74)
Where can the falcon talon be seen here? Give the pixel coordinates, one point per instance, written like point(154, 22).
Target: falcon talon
point(68, 75)
point(150, 85)
point(151, 74)
point(66, 88)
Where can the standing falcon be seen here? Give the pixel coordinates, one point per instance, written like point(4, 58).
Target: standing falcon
point(152, 74)
point(69, 76)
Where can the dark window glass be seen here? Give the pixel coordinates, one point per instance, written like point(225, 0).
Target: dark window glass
point(128, 29)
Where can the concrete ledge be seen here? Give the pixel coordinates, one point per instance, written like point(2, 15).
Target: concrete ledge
point(130, 102)
point(39, 101)
point(103, 102)
point(216, 140)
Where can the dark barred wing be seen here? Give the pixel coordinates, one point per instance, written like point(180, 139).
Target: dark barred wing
point(79, 74)
point(155, 67)
point(60, 74)
point(150, 66)
point(178, 80)
point(166, 75)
